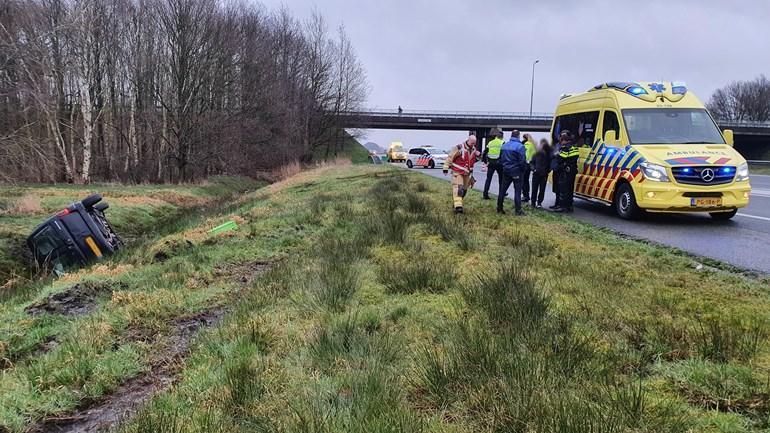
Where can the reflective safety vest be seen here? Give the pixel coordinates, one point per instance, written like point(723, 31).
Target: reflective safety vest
point(568, 158)
point(530, 148)
point(572, 152)
point(493, 148)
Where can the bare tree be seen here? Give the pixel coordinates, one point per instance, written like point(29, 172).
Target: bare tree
point(742, 100)
point(167, 90)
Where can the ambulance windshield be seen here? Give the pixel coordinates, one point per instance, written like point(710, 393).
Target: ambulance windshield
point(671, 126)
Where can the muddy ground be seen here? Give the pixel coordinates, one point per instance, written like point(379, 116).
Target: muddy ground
point(77, 300)
point(101, 415)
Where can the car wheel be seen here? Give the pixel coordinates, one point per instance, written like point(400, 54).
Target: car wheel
point(431, 164)
point(723, 216)
point(91, 200)
point(409, 163)
point(625, 202)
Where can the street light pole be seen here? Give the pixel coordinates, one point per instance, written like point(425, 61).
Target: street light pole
point(532, 89)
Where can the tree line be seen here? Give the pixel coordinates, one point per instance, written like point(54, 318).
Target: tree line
point(167, 90)
point(742, 100)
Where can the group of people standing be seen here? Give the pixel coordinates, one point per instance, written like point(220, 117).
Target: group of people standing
point(517, 163)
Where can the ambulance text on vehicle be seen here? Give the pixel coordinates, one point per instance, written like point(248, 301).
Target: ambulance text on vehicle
point(652, 146)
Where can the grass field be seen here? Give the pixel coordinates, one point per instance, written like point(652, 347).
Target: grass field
point(351, 300)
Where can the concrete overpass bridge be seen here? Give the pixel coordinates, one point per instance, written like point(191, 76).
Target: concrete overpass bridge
point(752, 139)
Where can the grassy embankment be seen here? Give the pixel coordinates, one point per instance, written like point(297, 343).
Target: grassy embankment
point(382, 312)
point(760, 169)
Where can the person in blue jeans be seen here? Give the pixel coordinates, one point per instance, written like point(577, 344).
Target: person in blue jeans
point(513, 158)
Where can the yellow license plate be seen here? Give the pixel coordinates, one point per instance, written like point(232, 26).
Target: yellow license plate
point(706, 202)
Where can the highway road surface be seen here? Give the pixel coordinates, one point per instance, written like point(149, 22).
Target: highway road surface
point(743, 242)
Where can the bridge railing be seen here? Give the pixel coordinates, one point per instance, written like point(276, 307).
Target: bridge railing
point(742, 124)
point(444, 114)
point(433, 114)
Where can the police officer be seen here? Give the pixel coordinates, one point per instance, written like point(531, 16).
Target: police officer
point(555, 171)
point(568, 157)
point(491, 157)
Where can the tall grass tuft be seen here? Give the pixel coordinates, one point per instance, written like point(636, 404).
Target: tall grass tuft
point(509, 297)
point(722, 340)
point(243, 381)
point(418, 273)
point(452, 228)
point(355, 342)
point(389, 225)
point(336, 284)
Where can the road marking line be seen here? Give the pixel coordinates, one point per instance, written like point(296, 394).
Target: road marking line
point(761, 192)
point(754, 216)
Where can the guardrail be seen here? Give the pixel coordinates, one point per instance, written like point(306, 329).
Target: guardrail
point(758, 162)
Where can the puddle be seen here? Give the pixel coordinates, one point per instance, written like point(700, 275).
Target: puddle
point(75, 301)
point(134, 393)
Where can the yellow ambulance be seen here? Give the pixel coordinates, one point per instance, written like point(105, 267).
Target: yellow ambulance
point(652, 147)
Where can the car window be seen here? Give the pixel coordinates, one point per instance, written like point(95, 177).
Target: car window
point(46, 242)
point(414, 151)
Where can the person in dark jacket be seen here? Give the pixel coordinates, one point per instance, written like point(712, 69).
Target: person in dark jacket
point(555, 170)
point(568, 158)
point(541, 166)
point(513, 158)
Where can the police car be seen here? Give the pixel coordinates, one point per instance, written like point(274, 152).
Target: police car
point(426, 156)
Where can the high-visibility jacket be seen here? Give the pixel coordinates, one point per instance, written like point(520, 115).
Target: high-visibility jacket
point(530, 150)
point(462, 159)
point(568, 157)
point(493, 148)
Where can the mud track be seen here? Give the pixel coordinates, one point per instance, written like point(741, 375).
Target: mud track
point(103, 414)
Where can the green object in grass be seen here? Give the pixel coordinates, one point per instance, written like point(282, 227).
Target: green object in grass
point(226, 227)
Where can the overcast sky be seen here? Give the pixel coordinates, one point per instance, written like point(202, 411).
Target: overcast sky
point(477, 55)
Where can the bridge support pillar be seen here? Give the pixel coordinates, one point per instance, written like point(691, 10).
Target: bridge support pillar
point(482, 135)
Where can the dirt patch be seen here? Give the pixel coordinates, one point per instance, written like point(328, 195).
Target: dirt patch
point(75, 301)
point(106, 413)
point(243, 273)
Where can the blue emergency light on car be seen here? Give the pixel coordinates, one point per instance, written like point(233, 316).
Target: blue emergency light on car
point(727, 170)
point(686, 170)
point(636, 90)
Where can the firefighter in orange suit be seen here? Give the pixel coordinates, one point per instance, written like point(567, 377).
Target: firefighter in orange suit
point(460, 161)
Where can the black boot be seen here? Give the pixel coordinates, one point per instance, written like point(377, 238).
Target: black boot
point(501, 211)
point(459, 209)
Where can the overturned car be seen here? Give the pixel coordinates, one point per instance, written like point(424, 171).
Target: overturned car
point(76, 236)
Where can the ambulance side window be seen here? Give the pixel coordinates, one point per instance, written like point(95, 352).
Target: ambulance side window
point(611, 123)
point(581, 125)
point(586, 131)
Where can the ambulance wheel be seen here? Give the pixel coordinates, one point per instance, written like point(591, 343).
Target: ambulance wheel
point(91, 200)
point(625, 202)
point(431, 164)
point(409, 163)
point(723, 216)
